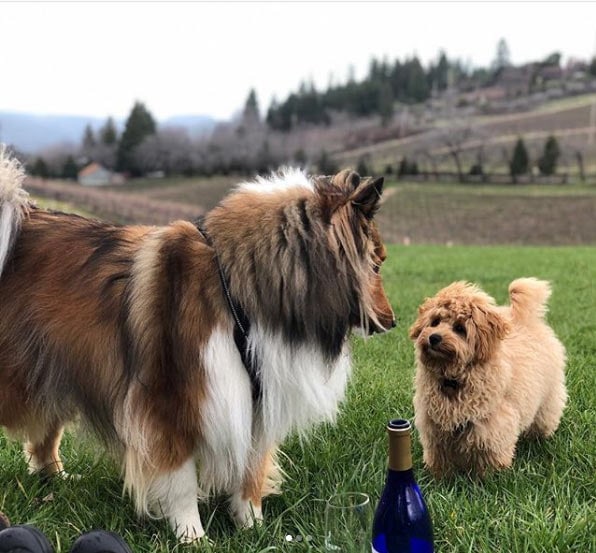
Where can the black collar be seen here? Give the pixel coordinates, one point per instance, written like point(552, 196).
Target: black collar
point(241, 322)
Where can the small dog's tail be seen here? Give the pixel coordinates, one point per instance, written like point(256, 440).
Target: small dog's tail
point(14, 202)
point(529, 298)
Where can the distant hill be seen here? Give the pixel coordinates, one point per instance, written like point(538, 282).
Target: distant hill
point(31, 133)
point(196, 125)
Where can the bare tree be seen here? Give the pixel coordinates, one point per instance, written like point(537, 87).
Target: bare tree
point(576, 147)
point(431, 156)
point(455, 139)
point(169, 150)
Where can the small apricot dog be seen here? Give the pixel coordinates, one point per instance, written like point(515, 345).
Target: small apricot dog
point(485, 375)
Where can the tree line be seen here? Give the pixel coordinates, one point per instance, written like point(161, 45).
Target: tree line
point(407, 82)
point(519, 163)
point(118, 152)
point(255, 143)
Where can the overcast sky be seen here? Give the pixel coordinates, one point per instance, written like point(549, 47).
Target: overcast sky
point(202, 58)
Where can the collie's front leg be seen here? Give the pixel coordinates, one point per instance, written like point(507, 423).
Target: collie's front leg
point(176, 496)
point(261, 480)
point(246, 511)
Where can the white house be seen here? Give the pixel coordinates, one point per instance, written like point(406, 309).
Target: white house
point(95, 174)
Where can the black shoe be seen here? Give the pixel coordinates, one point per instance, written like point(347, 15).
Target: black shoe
point(24, 539)
point(99, 541)
point(4, 522)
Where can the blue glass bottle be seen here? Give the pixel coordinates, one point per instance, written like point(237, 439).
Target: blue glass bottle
point(402, 523)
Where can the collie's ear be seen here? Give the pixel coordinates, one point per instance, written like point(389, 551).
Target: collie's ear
point(367, 196)
point(346, 179)
point(334, 191)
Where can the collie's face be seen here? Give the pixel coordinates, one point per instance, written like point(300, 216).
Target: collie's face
point(362, 198)
point(382, 318)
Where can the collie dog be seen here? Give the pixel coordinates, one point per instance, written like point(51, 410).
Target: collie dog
point(189, 344)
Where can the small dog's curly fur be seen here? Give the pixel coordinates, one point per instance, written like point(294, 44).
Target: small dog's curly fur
point(485, 375)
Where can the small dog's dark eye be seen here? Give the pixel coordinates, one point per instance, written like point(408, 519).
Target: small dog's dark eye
point(376, 268)
point(435, 321)
point(459, 328)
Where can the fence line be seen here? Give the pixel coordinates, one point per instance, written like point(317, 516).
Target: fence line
point(498, 178)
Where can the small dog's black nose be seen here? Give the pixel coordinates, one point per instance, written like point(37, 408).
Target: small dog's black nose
point(393, 323)
point(434, 339)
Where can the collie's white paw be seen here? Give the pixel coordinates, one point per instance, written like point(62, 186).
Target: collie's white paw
point(68, 476)
point(245, 514)
point(188, 535)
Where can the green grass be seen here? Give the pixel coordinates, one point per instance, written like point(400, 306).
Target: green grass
point(65, 207)
point(545, 503)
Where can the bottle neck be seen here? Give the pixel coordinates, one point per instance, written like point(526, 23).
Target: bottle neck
point(400, 451)
point(399, 477)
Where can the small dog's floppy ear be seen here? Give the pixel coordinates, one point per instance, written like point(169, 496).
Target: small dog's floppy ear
point(490, 327)
point(367, 196)
point(420, 321)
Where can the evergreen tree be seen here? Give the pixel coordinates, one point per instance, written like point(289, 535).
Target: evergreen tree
point(404, 167)
point(300, 157)
point(417, 89)
point(264, 161)
point(476, 169)
point(502, 58)
point(362, 167)
point(88, 139)
point(325, 165)
point(40, 168)
point(251, 114)
point(548, 162)
point(280, 117)
point(553, 59)
point(593, 67)
point(139, 125)
point(442, 72)
point(520, 161)
point(397, 78)
point(385, 103)
point(70, 170)
point(108, 134)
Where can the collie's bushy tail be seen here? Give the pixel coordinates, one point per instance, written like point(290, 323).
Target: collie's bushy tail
point(529, 298)
point(14, 202)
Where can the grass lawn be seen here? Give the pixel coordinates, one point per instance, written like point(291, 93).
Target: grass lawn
point(546, 503)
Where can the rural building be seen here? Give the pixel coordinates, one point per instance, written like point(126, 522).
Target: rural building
point(95, 174)
point(516, 80)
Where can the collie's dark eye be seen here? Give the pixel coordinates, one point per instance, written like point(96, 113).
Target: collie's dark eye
point(459, 328)
point(435, 321)
point(376, 268)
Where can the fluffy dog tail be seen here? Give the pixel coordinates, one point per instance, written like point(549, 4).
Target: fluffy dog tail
point(14, 202)
point(529, 298)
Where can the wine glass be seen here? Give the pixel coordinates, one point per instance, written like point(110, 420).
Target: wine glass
point(348, 518)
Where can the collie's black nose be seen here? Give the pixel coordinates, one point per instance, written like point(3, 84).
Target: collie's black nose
point(393, 323)
point(434, 339)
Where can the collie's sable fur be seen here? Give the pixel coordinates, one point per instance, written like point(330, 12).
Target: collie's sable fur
point(485, 375)
point(129, 328)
